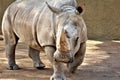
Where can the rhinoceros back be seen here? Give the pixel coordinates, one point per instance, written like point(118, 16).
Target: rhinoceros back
point(24, 17)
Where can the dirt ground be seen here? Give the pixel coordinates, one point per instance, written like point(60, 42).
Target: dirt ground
point(102, 62)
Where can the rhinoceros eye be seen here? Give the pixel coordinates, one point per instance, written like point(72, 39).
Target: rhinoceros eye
point(67, 34)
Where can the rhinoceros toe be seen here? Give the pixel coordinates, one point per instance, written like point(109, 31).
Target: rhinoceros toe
point(58, 77)
point(39, 65)
point(13, 67)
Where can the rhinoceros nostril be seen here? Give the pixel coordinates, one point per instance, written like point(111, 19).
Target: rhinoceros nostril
point(71, 60)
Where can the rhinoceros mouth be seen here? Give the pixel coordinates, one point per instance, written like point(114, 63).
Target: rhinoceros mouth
point(64, 60)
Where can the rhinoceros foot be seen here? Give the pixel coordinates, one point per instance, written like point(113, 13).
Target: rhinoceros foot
point(39, 65)
point(13, 67)
point(58, 77)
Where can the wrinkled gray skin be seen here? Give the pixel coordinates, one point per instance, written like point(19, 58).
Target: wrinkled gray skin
point(59, 30)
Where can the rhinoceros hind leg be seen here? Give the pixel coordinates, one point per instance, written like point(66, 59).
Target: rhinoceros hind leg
point(78, 58)
point(10, 44)
point(34, 55)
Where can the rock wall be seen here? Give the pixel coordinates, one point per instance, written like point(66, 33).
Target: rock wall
point(102, 18)
point(3, 5)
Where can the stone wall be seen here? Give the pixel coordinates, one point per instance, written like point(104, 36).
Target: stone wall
point(3, 5)
point(102, 18)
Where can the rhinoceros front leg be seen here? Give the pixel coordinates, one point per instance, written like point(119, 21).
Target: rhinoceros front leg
point(78, 59)
point(10, 44)
point(58, 72)
point(57, 66)
point(34, 55)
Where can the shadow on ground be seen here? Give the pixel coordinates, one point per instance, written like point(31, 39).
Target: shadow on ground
point(101, 63)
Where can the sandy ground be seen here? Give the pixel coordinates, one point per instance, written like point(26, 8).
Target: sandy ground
point(102, 62)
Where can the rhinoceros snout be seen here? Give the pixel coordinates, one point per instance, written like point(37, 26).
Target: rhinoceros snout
point(71, 60)
point(61, 57)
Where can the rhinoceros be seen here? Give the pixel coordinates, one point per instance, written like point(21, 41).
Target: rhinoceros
point(53, 26)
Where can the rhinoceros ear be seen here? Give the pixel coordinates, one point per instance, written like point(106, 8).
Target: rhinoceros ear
point(53, 9)
point(81, 9)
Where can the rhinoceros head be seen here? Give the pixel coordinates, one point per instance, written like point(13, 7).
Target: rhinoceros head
point(68, 34)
